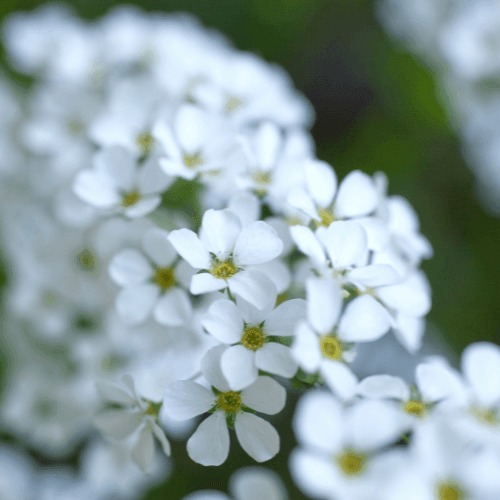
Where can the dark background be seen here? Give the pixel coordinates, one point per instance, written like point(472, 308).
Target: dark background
point(377, 108)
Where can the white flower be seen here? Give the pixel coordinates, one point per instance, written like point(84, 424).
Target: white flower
point(248, 330)
point(117, 183)
point(323, 343)
point(227, 252)
point(341, 445)
point(209, 445)
point(323, 202)
point(138, 417)
point(150, 283)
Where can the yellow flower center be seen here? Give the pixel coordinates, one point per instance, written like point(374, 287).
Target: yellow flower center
point(86, 261)
point(415, 407)
point(330, 347)
point(224, 270)
point(449, 491)
point(229, 401)
point(261, 177)
point(192, 161)
point(75, 126)
point(164, 277)
point(130, 199)
point(145, 141)
point(253, 338)
point(150, 410)
point(351, 462)
point(326, 217)
point(485, 415)
point(232, 103)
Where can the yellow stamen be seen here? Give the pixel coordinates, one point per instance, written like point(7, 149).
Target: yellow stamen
point(416, 407)
point(192, 161)
point(232, 103)
point(86, 261)
point(351, 462)
point(326, 217)
point(229, 401)
point(164, 277)
point(145, 141)
point(449, 491)
point(224, 270)
point(130, 199)
point(261, 177)
point(330, 347)
point(485, 415)
point(253, 338)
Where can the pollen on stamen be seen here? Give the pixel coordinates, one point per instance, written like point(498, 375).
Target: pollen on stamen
point(232, 103)
point(484, 415)
point(86, 261)
point(415, 407)
point(192, 161)
point(351, 462)
point(262, 177)
point(326, 217)
point(130, 199)
point(145, 141)
point(253, 338)
point(224, 270)
point(164, 277)
point(330, 347)
point(229, 401)
point(449, 491)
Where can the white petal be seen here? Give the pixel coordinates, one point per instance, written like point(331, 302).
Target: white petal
point(152, 179)
point(298, 198)
point(324, 301)
point(339, 378)
point(364, 320)
point(356, 195)
point(130, 267)
point(384, 387)
point(185, 399)
point(113, 392)
point(209, 445)
point(267, 144)
point(220, 229)
point(253, 483)
point(134, 304)
point(412, 297)
point(374, 275)
point(119, 164)
point(160, 435)
point(481, 367)
point(246, 206)
point(321, 182)
point(409, 330)
point(318, 421)
point(176, 168)
point(376, 231)
point(346, 243)
point(308, 244)
point(276, 358)
point(158, 247)
point(96, 189)
point(206, 495)
point(278, 272)
point(143, 452)
point(238, 366)
point(264, 395)
point(211, 369)
point(305, 348)
point(205, 283)
point(253, 316)
point(163, 133)
point(191, 127)
point(224, 321)
point(174, 308)
point(257, 243)
point(190, 248)
point(256, 436)
point(283, 320)
point(253, 286)
point(117, 424)
point(436, 381)
point(144, 206)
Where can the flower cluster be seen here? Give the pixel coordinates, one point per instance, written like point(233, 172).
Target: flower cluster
point(178, 250)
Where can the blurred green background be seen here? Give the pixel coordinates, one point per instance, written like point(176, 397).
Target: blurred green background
point(377, 108)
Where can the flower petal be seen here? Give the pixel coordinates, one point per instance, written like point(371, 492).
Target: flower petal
point(185, 399)
point(143, 452)
point(134, 304)
point(374, 275)
point(324, 302)
point(437, 381)
point(117, 424)
point(145, 205)
point(114, 393)
point(256, 436)
point(264, 395)
point(256, 244)
point(339, 378)
point(174, 308)
point(211, 368)
point(298, 198)
point(238, 366)
point(158, 247)
point(223, 320)
point(346, 243)
point(190, 248)
point(191, 127)
point(356, 195)
point(283, 320)
point(267, 144)
point(308, 244)
point(251, 483)
point(130, 267)
point(219, 231)
point(305, 348)
point(253, 286)
point(209, 445)
point(384, 387)
point(364, 320)
point(119, 164)
point(160, 435)
point(321, 182)
point(276, 358)
point(96, 189)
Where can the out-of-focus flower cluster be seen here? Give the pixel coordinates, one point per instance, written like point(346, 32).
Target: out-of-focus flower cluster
point(459, 41)
point(176, 249)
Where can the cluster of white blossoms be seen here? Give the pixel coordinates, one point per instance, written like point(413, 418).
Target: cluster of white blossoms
point(174, 249)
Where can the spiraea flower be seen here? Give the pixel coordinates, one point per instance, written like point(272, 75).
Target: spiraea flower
point(225, 252)
point(150, 282)
point(253, 335)
point(137, 418)
point(209, 445)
